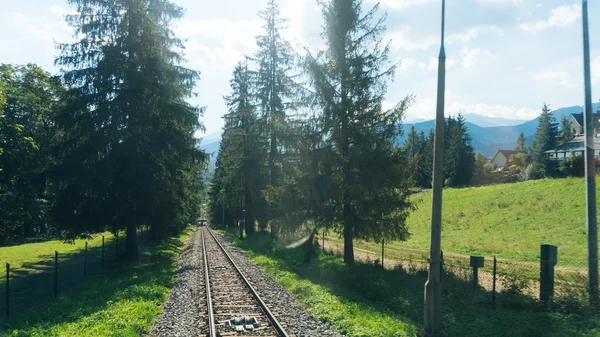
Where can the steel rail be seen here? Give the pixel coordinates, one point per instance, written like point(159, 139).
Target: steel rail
point(212, 331)
point(268, 312)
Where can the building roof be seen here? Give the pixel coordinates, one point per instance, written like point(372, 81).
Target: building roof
point(507, 153)
point(577, 144)
point(579, 118)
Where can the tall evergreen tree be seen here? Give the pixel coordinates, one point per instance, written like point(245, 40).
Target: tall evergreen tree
point(369, 171)
point(545, 139)
point(521, 142)
point(425, 167)
point(244, 154)
point(414, 147)
point(129, 156)
point(275, 92)
point(566, 131)
point(459, 159)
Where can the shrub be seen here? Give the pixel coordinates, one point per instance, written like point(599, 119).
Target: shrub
point(573, 165)
point(533, 172)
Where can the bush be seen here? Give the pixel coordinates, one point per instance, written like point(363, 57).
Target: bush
point(533, 172)
point(573, 165)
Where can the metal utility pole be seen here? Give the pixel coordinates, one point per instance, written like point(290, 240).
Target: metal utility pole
point(433, 286)
point(590, 168)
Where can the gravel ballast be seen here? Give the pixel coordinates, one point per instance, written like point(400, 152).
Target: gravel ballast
point(182, 316)
point(183, 312)
point(292, 315)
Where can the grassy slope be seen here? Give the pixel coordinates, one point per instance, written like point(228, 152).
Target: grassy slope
point(362, 301)
point(509, 220)
point(120, 301)
point(24, 257)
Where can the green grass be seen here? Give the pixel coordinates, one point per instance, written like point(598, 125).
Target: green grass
point(508, 221)
point(362, 301)
point(32, 268)
point(122, 300)
point(25, 257)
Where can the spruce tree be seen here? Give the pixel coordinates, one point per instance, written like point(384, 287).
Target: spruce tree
point(274, 90)
point(243, 156)
point(521, 142)
point(459, 159)
point(414, 147)
point(425, 167)
point(545, 139)
point(369, 171)
point(129, 157)
point(566, 131)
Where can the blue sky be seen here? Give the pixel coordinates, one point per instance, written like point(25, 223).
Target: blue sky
point(505, 57)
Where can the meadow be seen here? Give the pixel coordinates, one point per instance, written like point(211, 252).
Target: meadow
point(122, 299)
point(509, 221)
point(364, 300)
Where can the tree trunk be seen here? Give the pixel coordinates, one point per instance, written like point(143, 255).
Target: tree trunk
point(346, 211)
point(348, 244)
point(249, 215)
point(132, 251)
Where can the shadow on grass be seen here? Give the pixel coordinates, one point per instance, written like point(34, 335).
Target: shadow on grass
point(33, 283)
point(466, 312)
point(93, 301)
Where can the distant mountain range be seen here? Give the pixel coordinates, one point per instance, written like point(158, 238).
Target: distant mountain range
point(488, 133)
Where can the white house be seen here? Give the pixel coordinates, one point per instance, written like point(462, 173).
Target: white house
point(576, 121)
point(575, 146)
point(500, 160)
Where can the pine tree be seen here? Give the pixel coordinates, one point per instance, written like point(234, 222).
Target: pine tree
point(544, 139)
point(425, 167)
point(414, 146)
point(459, 159)
point(370, 172)
point(129, 157)
point(244, 155)
point(275, 93)
point(521, 142)
point(566, 131)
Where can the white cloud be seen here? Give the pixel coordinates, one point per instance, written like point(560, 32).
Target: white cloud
point(502, 2)
point(408, 63)
point(425, 108)
point(484, 109)
point(405, 38)
point(296, 11)
point(472, 33)
point(60, 11)
point(41, 28)
point(218, 44)
point(434, 62)
point(472, 56)
point(559, 17)
point(399, 4)
point(561, 78)
point(595, 70)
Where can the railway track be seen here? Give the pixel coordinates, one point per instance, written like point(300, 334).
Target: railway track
point(233, 307)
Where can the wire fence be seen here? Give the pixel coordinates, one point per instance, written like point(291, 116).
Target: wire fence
point(508, 278)
point(54, 273)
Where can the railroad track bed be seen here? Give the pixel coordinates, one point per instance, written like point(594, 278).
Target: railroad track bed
point(185, 313)
point(236, 308)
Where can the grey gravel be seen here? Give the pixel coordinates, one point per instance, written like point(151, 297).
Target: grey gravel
point(183, 313)
point(296, 320)
point(182, 316)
